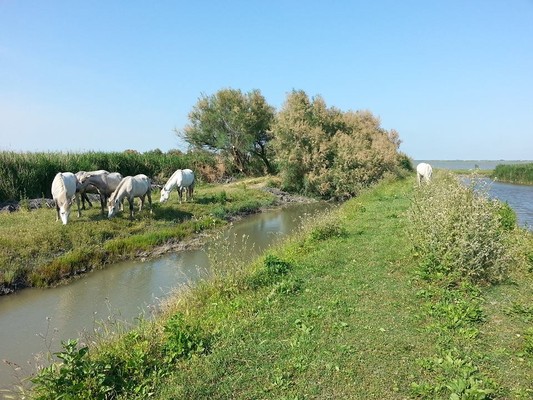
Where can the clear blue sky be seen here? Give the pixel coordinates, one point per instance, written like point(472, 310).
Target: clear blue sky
point(454, 78)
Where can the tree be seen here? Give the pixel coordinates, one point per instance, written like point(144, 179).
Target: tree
point(330, 153)
point(234, 125)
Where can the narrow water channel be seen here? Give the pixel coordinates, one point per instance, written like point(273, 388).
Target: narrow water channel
point(36, 320)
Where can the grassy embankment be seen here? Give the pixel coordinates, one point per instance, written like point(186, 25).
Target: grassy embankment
point(516, 173)
point(346, 309)
point(35, 250)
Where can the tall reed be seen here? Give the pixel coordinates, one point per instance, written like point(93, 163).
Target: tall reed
point(29, 175)
point(516, 173)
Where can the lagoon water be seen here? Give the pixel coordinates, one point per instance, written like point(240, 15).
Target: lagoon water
point(470, 164)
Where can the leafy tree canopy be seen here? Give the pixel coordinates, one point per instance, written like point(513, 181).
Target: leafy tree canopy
point(234, 125)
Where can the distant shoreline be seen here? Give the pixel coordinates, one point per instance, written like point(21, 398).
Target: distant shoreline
point(471, 164)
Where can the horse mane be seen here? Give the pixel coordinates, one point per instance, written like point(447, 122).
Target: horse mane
point(118, 189)
point(59, 187)
point(173, 180)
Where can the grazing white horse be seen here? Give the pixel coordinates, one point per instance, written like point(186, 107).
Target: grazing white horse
point(130, 187)
point(63, 191)
point(81, 175)
point(105, 182)
point(423, 173)
point(184, 180)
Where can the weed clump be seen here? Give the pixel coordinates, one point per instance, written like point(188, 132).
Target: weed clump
point(272, 270)
point(135, 364)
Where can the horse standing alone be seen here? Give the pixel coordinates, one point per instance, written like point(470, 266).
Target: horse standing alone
point(130, 187)
point(423, 173)
point(184, 180)
point(63, 191)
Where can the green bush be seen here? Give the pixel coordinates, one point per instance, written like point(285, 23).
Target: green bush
point(75, 378)
point(330, 229)
point(458, 232)
point(130, 366)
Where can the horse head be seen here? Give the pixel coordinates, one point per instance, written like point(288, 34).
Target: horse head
point(113, 205)
point(64, 212)
point(164, 195)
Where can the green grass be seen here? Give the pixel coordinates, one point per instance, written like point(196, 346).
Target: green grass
point(35, 250)
point(339, 311)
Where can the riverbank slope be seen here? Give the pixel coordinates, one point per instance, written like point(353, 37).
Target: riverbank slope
point(339, 311)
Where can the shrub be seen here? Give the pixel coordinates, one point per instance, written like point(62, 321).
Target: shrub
point(458, 232)
point(323, 151)
point(70, 379)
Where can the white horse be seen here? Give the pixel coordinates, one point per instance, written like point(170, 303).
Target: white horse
point(63, 191)
point(130, 187)
point(105, 182)
point(81, 175)
point(184, 180)
point(423, 173)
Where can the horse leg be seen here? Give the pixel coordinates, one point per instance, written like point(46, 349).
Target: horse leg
point(57, 211)
point(82, 199)
point(78, 204)
point(130, 200)
point(149, 194)
point(85, 198)
point(103, 202)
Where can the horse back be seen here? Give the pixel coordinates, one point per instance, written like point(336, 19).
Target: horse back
point(64, 186)
point(188, 178)
point(141, 184)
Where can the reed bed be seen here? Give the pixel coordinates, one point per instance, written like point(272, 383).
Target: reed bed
point(30, 175)
point(517, 173)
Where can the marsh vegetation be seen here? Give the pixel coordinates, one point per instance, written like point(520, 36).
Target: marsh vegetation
point(359, 304)
point(520, 173)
